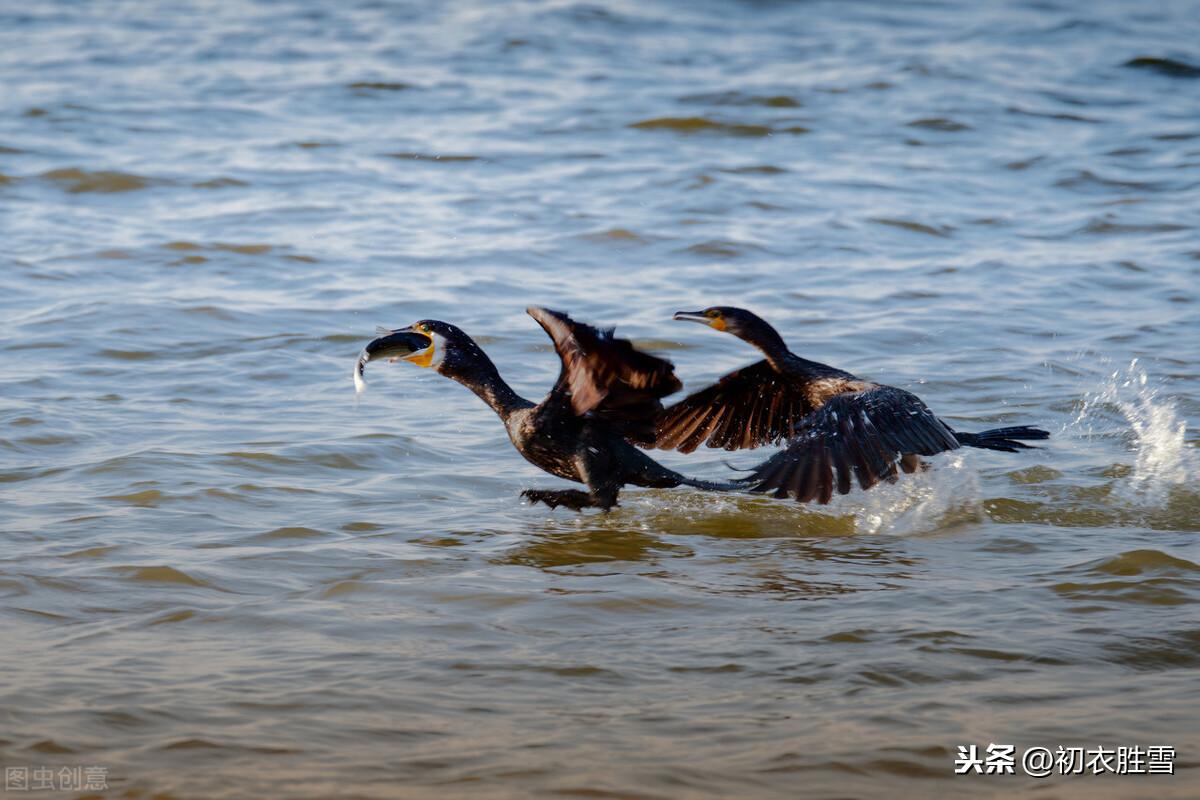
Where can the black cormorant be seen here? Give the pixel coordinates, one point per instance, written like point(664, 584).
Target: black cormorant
point(833, 422)
point(607, 398)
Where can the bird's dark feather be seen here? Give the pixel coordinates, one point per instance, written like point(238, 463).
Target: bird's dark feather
point(749, 407)
point(866, 433)
point(606, 378)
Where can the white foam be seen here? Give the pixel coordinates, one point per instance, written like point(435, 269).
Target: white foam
point(1162, 458)
point(920, 502)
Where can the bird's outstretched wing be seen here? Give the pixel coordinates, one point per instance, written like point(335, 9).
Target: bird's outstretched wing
point(606, 377)
point(865, 433)
point(747, 408)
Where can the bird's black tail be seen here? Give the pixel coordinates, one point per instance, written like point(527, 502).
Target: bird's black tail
point(1006, 439)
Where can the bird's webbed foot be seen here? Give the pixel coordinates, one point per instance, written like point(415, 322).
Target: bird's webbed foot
point(568, 498)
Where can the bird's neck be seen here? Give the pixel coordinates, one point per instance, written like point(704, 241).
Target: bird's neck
point(484, 380)
point(783, 360)
point(768, 340)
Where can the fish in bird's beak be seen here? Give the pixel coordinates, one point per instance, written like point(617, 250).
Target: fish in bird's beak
point(394, 344)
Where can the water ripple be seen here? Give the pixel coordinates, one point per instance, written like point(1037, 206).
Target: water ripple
point(215, 553)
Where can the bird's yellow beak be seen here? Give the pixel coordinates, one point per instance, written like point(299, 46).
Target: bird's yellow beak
point(392, 345)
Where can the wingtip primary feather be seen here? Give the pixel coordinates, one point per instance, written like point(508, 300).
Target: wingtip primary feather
point(541, 312)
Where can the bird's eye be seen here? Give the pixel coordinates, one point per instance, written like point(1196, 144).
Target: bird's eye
point(712, 313)
point(425, 327)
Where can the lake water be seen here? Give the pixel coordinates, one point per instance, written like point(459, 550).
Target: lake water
point(224, 575)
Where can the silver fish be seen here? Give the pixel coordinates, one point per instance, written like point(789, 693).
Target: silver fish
point(391, 345)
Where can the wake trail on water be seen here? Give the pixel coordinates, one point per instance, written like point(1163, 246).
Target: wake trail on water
point(1127, 405)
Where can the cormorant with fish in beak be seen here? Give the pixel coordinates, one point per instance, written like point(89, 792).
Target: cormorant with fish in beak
point(607, 399)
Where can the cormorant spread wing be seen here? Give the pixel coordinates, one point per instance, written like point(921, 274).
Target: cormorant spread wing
point(606, 377)
point(749, 407)
point(864, 433)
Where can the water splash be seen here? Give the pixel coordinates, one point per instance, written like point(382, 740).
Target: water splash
point(1162, 457)
point(925, 501)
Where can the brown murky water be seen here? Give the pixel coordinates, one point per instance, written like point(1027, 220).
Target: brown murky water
point(224, 575)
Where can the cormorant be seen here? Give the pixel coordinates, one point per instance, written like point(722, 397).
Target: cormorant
point(833, 422)
point(607, 397)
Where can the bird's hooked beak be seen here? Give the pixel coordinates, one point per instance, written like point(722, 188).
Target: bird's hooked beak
point(400, 343)
point(394, 344)
point(699, 316)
